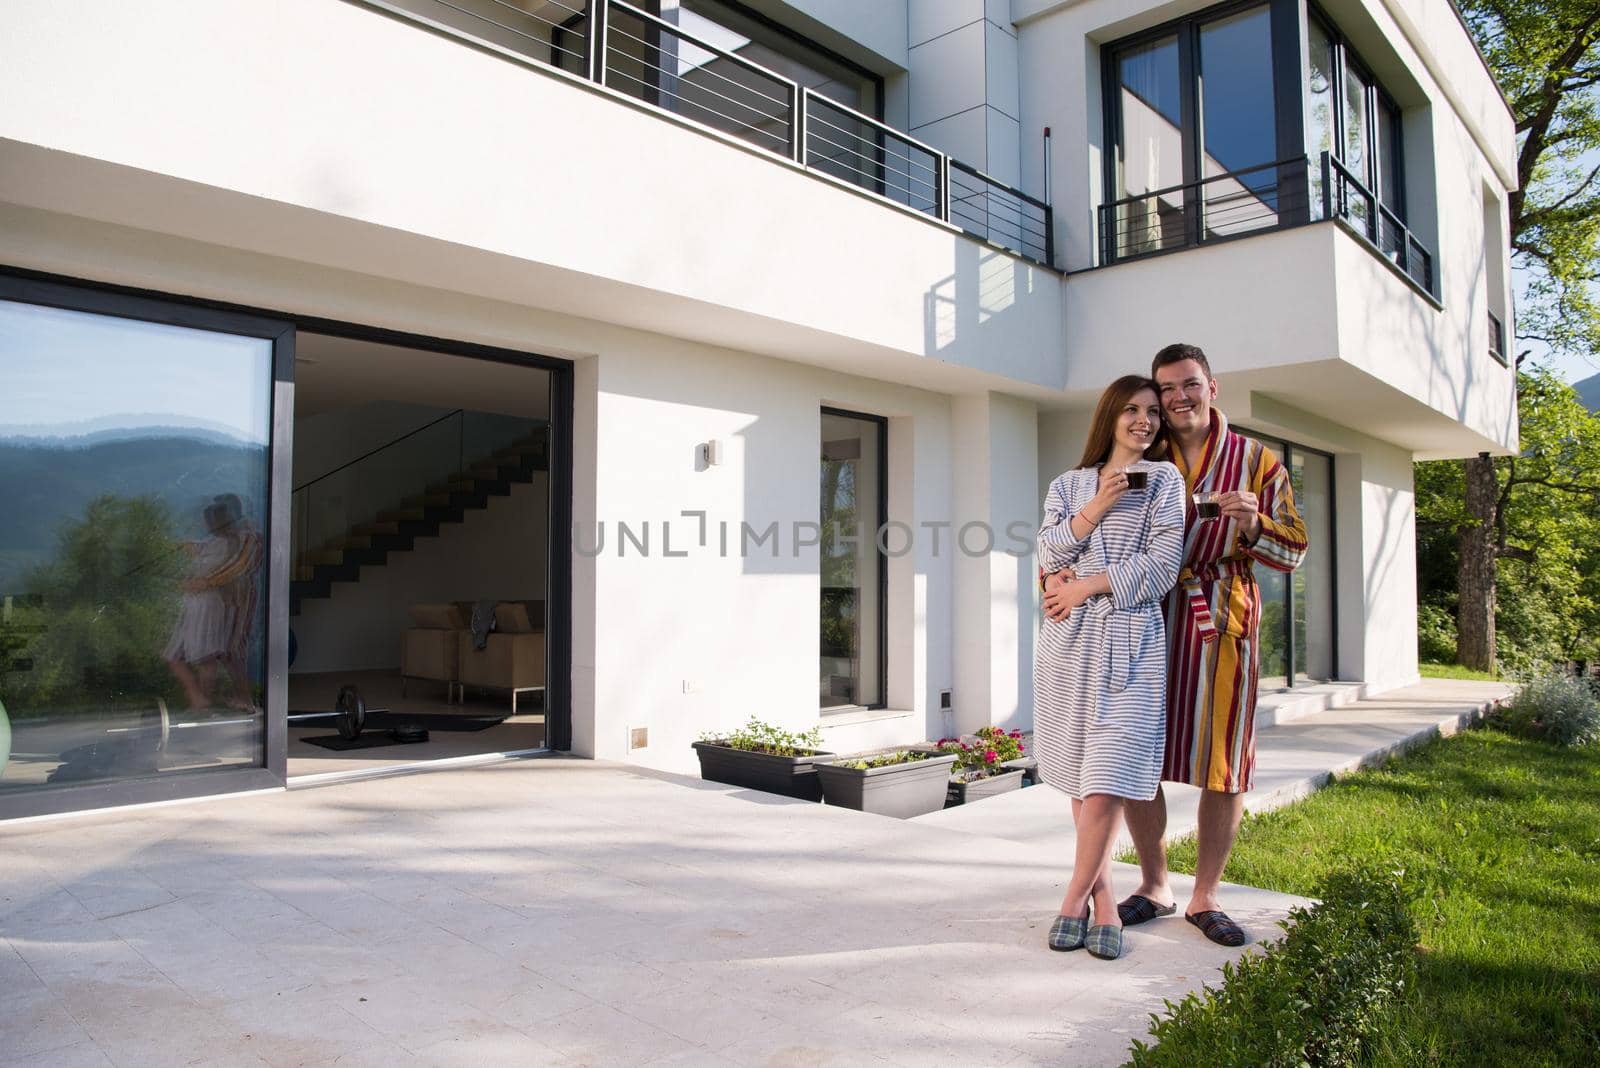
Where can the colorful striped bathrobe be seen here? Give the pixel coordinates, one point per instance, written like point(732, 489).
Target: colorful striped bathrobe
point(1214, 613)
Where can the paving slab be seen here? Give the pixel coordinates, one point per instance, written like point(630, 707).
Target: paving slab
point(559, 911)
point(1294, 756)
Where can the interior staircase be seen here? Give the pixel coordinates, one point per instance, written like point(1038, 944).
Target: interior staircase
point(396, 530)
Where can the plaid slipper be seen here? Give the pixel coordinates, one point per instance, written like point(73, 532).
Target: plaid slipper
point(1104, 941)
point(1218, 927)
point(1067, 932)
point(1137, 909)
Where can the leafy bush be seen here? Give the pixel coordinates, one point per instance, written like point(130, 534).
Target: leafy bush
point(760, 737)
point(1321, 996)
point(1436, 634)
point(983, 753)
point(1554, 708)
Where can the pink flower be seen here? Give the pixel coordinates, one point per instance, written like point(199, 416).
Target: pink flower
point(990, 757)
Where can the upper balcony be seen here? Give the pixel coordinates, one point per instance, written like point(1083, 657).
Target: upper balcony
point(587, 158)
point(1313, 192)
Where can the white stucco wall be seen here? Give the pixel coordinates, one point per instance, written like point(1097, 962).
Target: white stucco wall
point(494, 177)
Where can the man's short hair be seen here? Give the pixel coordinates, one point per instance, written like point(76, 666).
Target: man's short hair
point(1177, 353)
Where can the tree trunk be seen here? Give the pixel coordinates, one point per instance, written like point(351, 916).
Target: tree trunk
point(1477, 568)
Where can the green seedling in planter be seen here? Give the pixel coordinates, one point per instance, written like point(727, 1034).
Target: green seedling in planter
point(883, 760)
point(759, 737)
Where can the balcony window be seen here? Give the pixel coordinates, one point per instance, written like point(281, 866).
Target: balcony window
point(1192, 121)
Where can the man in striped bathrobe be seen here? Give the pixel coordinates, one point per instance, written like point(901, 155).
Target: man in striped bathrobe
point(1213, 629)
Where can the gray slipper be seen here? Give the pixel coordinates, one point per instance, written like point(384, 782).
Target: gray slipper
point(1068, 932)
point(1104, 941)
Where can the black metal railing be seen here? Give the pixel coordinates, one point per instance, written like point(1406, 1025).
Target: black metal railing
point(635, 53)
point(1271, 196)
point(1266, 197)
point(1346, 197)
point(1497, 338)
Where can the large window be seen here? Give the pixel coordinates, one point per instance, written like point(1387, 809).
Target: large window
point(1297, 620)
point(1192, 124)
point(853, 572)
point(1358, 174)
point(134, 465)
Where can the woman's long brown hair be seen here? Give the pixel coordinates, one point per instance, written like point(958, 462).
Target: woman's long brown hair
point(1103, 428)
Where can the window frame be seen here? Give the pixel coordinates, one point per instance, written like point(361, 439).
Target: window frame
point(882, 425)
point(1288, 78)
point(1375, 98)
point(1286, 450)
point(271, 769)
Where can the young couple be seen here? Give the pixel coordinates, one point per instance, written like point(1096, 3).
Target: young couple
point(1146, 664)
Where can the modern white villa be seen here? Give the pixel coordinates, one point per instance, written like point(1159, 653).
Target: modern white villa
point(716, 352)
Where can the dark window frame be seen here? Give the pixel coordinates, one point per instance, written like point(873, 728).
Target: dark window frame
point(1288, 78)
point(1286, 451)
point(103, 298)
point(1375, 98)
point(883, 563)
point(653, 7)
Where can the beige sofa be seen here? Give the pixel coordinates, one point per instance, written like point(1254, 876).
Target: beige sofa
point(513, 658)
point(431, 648)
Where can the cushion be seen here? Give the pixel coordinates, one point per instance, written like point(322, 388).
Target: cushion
point(437, 616)
point(512, 617)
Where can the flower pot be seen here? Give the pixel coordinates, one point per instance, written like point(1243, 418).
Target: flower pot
point(899, 790)
point(1030, 769)
point(962, 793)
point(791, 776)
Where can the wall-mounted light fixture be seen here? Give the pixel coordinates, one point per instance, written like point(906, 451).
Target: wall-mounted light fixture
point(711, 453)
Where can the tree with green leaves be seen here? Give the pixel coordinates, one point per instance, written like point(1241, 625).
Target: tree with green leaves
point(1544, 531)
point(1546, 56)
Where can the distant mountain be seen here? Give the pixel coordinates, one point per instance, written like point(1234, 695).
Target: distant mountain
point(1589, 392)
point(121, 426)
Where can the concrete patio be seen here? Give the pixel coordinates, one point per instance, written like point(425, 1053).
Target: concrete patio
point(555, 911)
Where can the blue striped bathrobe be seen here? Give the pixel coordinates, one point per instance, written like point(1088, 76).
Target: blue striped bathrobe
point(1100, 675)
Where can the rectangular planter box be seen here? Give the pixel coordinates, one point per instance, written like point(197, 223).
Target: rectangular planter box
point(899, 790)
point(962, 793)
point(1030, 769)
point(794, 776)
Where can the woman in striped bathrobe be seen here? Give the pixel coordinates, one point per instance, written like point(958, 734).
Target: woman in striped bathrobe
point(1100, 670)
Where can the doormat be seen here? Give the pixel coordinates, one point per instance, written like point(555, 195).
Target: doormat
point(368, 739)
point(435, 721)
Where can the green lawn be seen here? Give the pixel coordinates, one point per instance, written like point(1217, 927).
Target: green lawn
point(1499, 840)
point(1430, 670)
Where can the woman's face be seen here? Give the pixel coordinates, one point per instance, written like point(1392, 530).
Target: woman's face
point(1139, 420)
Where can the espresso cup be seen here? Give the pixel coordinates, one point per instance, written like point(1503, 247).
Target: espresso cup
point(1137, 479)
point(1206, 506)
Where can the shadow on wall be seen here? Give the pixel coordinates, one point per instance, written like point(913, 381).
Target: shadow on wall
point(985, 285)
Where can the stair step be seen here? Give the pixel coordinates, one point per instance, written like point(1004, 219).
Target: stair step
point(426, 500)
point(455, 485)
point(302, 573)
point(351, 541)
point(375, 529)
point(322, 557)
point(402, 515)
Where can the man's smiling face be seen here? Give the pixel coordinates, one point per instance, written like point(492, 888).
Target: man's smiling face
point(1186, 396)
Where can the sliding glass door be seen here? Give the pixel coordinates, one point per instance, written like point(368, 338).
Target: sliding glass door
point(136, 467)
point(852, 564)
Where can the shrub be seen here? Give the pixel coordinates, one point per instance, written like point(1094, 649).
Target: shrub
point(1321, 996)
point(1436, 634)
point(760, 737)
point(1554, 708)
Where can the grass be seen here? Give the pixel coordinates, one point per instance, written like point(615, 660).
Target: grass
point(1430, 670)
point(1499, 840)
